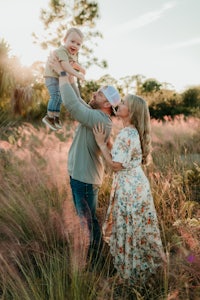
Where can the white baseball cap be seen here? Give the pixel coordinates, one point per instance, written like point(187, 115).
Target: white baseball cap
point(111, 94)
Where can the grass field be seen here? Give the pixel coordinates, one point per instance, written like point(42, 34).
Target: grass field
point(42, 252)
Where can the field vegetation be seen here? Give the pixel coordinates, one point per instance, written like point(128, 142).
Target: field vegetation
point(42, 246)
point(42, 249)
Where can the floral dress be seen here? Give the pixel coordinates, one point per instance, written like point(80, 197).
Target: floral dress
point(131, 226)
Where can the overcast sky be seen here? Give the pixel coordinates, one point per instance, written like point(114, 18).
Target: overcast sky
point(158, 39)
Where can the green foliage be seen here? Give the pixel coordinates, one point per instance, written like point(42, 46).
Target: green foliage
point(150, 86)
point(30, 101)
point(169, 107)
point(87, 89)
point(107, 80)
point(166, 103)
point(24, 95)
point(86, 12)
point(191, 98)
point(6, 75)
point(35, 253)
point(60, 16)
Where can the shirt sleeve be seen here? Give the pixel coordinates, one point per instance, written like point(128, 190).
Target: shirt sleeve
point(81, 112)
point(62, 54)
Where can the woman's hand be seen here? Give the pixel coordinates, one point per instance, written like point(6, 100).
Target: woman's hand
point(100, 137)
point(100, 134)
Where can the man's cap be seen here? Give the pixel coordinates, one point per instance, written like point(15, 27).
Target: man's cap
point(111, 94)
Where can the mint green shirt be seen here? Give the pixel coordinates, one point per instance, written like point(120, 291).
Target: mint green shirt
point(84, 158)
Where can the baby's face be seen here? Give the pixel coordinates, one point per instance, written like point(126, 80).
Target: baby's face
point(73, 43)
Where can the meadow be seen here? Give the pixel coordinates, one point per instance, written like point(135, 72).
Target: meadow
point(42, 247)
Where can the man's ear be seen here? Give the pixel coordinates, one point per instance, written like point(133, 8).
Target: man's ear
point(107, 104)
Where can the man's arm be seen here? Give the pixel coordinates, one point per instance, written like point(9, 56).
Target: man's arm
point(80, 112)
point(76, 89)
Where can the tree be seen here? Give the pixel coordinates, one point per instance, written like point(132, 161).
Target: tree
point(128, 85)
point(170, 107)
point(107, 80)
point(191, 97)
point(62, 15)
point(6, 75)
point(150, 86)
point(87, 88)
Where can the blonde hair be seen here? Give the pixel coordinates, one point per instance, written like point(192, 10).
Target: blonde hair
point(140, 118)
point(73, 29)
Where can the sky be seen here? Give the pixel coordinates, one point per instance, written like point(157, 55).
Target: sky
point(158, 39)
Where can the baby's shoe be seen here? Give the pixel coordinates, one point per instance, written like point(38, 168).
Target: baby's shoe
point(57, 123)
point(49, 122)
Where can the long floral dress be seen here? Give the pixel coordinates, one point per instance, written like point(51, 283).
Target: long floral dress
point(131, 226)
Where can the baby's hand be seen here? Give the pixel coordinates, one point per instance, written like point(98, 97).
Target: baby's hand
point(78, 67)
point(81, 76)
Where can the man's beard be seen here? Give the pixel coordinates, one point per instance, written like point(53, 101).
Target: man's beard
point(93, 104)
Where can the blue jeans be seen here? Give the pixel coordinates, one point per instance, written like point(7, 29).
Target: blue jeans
point(55, 100)
point(85, 198)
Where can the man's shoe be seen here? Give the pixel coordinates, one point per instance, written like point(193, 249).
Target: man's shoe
point(57, 123)
point(49, 122)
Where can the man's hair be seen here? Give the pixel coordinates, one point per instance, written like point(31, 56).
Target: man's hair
point(73, 29)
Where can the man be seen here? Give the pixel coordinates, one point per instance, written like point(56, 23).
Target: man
point(85, 165)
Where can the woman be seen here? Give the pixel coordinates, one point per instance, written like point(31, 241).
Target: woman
point(131, 226)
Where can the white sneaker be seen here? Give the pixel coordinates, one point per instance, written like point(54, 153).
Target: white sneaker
point(57, 123)
point(49, 122)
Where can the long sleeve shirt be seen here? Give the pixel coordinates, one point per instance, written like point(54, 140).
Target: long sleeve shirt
point(84, 158)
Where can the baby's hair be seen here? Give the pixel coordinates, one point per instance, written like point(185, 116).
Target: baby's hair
point(140, 118)
point(73, 29)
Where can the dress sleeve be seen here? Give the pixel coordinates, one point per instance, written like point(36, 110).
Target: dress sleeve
point(122, 149)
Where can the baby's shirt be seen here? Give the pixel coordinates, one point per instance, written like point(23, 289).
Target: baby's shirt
point(63, 55)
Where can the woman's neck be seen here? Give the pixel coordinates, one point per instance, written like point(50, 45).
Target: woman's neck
point(127, 123)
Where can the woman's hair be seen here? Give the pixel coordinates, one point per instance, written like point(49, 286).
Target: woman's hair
point(73, 29)
point(140, 118)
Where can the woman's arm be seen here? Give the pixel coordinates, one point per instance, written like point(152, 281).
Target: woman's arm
point(100, 136)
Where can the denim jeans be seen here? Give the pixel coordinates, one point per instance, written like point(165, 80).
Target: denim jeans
point(85, 198)
point(55, 100)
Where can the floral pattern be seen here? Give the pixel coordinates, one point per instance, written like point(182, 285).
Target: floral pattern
point(131, 226)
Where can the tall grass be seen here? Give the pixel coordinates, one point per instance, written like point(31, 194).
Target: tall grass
point(43, 248)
